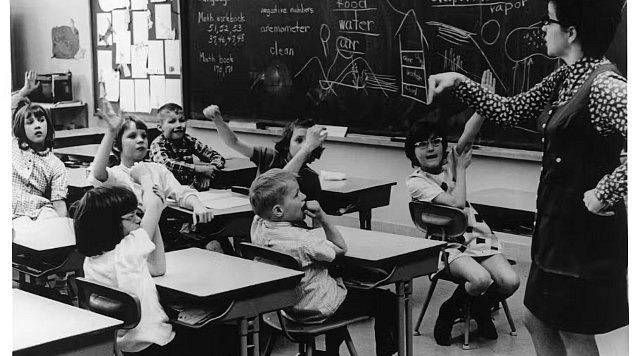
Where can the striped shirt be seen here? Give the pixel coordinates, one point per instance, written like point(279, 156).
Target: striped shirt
point(320, 295)
point(178, 156)
point(38, 179)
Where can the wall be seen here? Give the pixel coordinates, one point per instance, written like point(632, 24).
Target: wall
point(31, 43)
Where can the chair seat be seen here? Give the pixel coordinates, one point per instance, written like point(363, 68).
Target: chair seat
point(310, 329)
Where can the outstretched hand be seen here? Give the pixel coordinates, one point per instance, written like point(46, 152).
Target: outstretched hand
point(438, 83)
point(211, 112)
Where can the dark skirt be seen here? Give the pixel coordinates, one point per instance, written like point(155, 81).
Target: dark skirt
point(582, 306)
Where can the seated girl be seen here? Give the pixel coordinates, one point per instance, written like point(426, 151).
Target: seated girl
point(301, 143)
point(440, 178)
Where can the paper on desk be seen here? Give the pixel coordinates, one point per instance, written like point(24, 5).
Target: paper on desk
point(45, 234)
point(226, 203)
point(328, 175)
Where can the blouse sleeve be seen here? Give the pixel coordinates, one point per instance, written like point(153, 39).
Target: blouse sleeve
point(59, 181)
point(509, 111)
point(608, 110)
point(132, 252)
point(421, 189)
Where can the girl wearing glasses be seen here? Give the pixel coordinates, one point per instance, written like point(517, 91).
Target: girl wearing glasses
point(577, 286)
point(440, 178)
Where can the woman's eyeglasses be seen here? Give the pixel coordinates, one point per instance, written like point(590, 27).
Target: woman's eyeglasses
point(435, 142)
point(545, 20)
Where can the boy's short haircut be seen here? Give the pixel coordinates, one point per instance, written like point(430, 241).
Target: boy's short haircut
point(168, 107)
point(97, 218)
point(269, 189)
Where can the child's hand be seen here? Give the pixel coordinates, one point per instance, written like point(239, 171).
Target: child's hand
point(313, 210)
point(463, 159)
point(315, 136)
point(488, 81)
point(202, 183)
point(30, 84)
point(159, 193)
point(140, 172)
point(107, 113)
point(212, 112)
point(209, 170)
point(201, 214)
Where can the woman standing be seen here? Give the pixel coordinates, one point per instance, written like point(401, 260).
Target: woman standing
point(577, 285)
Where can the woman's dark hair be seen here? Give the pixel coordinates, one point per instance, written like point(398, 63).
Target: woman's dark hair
point(422, 131)
point(596, 22)
point(23, 111)
point(97, 217)
point(128, 120)
point(283, 145)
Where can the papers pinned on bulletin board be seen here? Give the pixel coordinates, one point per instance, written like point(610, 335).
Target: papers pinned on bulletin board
point(336, 131)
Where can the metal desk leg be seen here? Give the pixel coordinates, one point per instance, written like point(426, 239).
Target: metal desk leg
point(401, 317)
point(365, 219)
point(256, 336)
point(243, 337)
point(408, 305)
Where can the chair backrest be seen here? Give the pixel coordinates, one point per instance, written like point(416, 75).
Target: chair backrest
point(438, 220)
point(269, 255)
point(109, 301)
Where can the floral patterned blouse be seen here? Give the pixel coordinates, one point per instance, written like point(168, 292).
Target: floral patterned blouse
point(607, 107)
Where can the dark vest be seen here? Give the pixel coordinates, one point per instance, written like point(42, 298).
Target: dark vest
point(568, 239)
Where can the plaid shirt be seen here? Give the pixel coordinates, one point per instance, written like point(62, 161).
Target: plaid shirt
point(178, 156)
point(38, 179)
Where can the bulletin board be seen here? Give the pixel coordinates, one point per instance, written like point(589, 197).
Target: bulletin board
point(136, 53)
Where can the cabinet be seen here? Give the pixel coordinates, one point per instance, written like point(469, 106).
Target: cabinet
point(67, 115)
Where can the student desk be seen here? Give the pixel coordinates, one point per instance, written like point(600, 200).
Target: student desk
point(211, 277)
point(408, 257)
point(83, 153)
point(237, 171)
point(506, 209)
point(45, 327)
point(355, 194)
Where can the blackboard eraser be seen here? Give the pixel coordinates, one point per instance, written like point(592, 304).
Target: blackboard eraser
point(398, 139)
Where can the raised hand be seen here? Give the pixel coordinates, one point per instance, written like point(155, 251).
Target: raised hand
point(107, 113)
point(464, 158)
point(315, 136)
point(488, 80)
point(211, 112)
point(30, 84)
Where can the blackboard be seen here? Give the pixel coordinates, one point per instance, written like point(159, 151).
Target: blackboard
point(362, 63)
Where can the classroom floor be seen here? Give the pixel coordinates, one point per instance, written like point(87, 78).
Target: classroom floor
point(362, 333)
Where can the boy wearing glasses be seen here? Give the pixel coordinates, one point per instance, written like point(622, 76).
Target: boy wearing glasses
point(440, 178)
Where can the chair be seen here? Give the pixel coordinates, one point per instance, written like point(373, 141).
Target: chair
point(109, 301)
point(443, 222)
point(303, 334)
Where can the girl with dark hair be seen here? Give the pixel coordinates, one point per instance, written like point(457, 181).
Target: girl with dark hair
point(39, 178)
point(301, 143)
point(577, 286)
point(440, 178)
point(122, 250)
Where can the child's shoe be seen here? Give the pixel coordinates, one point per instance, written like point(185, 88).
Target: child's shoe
point(481, 309)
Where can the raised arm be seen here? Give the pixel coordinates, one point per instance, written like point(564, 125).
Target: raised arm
point(315, 136)
point(473, 125)
point(114, 122)
point(153, 202)
point(457, 198)
point(226, 134)
point(30, 85)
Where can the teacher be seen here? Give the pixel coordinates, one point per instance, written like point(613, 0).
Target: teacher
point(577, 286)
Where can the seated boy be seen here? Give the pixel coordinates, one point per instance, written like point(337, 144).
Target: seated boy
point(175, 149)
point(280, 209)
